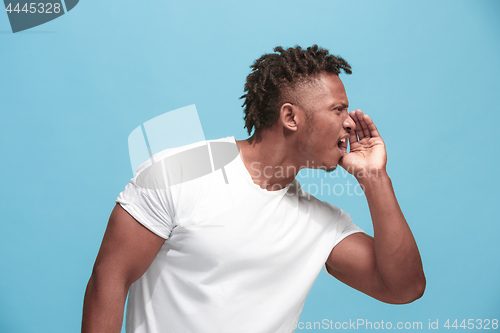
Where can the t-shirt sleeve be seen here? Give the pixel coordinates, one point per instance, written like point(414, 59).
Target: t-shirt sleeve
point(345, 227)
point(152, 208)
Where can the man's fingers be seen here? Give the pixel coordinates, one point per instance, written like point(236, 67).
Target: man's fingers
point(364, 125)
point(357, 116)
point(353, 138)
point(371, 126)
point(359, 131)
point(365, 128)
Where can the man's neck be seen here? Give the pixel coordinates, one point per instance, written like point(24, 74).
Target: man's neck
point(269, 159)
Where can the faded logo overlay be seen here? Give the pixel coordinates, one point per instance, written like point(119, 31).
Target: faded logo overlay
point(171, 149)
point(28, 14)
point(174, 129)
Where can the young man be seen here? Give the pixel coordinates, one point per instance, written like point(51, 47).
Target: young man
point(238, 249)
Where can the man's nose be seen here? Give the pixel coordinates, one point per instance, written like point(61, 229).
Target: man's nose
point(349, 123)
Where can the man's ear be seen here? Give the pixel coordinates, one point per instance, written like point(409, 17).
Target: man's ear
point(289, 116)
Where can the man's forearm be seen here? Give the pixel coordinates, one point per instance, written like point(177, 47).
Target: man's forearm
point(397, 258)
point(103, 306)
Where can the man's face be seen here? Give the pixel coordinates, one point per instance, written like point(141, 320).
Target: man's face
point(324, 136)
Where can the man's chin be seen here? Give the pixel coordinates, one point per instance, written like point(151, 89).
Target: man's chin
point(331, 169)
point(323, 166)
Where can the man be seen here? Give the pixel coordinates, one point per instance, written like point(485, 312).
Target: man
point(237, 250)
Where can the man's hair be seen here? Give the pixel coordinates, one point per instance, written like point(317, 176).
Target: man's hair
point(273, 73)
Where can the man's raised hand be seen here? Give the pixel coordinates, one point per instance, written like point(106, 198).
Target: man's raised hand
point(367, 156)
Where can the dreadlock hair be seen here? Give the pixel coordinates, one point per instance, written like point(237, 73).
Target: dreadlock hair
point(274, 73)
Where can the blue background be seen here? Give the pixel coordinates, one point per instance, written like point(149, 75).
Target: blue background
point(73, 89)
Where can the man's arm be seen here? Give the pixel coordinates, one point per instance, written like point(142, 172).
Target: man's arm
point(387, 266)
point(126, 252)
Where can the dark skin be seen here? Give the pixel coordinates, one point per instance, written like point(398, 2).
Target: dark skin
point(126, 252)
point(386, 266)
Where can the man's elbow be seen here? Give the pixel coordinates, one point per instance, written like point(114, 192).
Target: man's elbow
point(411, 292)
point(417, 291)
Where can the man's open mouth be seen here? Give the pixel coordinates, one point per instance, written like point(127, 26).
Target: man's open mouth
point(343, 145)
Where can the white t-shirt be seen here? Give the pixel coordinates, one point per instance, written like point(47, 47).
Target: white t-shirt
point(237, 258)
